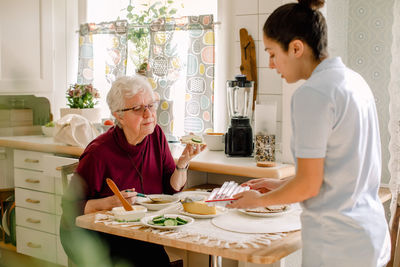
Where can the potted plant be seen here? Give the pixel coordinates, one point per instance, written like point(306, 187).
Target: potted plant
point(139, 36)
point(81, 99)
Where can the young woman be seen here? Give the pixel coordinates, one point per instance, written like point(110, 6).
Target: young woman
point(335, 142)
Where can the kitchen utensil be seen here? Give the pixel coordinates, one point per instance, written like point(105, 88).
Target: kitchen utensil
point(114, 188)
point(239, 138)
point(248, 65)
point(152, 198)
point(155, 205)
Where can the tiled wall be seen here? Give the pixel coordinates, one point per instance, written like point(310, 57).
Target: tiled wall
point(251, 15)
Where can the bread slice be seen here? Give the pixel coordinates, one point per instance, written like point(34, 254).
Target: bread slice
point(192, 139)
point(192, 205)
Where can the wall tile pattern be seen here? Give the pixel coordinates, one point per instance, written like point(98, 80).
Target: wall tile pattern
point(369, 53)
point(252, 14)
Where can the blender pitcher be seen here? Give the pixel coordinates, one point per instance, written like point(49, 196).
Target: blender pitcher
point(239, 138)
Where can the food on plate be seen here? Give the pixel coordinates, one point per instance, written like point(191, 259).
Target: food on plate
point(167, 221)
point(196, 205)
point(157, 201)
point(192, 139)
point(108, 122)
point(269, 209)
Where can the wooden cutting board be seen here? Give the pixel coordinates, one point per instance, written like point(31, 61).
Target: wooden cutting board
point(248, 65)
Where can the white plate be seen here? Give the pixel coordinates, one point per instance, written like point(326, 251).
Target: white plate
point(4, 223)
point(184, 194)
point(145, 221)
point(220, 211)
point(150, 206)
point(267, 214)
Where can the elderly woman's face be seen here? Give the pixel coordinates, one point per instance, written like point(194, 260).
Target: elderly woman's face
point(140, 120)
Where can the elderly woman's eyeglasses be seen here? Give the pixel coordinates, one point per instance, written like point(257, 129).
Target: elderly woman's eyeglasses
point(140, 109)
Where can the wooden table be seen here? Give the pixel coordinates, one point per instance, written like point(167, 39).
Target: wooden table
point(265, 254)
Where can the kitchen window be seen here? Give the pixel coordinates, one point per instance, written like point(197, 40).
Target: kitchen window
point(177, 114)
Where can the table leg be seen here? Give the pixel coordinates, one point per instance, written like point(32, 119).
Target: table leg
point(215, 261)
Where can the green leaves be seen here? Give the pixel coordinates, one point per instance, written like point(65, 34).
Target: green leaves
point(139, 36)
point(82, 96)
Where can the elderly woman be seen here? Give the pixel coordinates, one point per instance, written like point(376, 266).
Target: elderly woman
point(136, 156)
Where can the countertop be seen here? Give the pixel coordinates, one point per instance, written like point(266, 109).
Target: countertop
point(207, 161)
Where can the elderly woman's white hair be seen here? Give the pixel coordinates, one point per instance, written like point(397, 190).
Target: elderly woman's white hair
point(126, 87)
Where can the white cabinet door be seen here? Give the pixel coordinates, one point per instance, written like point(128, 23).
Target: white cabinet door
point(26, 46)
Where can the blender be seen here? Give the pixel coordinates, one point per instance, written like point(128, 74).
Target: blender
point(239, 138)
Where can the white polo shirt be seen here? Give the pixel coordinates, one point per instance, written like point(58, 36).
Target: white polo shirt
point(334, 117)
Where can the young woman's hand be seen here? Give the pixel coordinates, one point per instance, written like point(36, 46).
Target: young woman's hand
point(246, 200)
point(264, 185)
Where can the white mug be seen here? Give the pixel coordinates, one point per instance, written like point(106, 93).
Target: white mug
point(214, 141)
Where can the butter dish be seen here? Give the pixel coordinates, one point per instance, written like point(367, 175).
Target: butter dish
point(136, 214)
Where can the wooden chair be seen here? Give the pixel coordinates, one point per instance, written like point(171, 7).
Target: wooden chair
point(69, 169)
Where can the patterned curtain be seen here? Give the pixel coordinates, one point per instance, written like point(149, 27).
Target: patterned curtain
point(115, 63)
point(181, 70)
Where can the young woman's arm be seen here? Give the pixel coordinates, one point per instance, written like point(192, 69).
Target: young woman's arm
point(306, 184)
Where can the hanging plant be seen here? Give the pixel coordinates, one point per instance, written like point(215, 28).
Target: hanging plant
point(143, 15)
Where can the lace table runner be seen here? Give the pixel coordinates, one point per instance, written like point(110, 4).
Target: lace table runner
point(202, 231)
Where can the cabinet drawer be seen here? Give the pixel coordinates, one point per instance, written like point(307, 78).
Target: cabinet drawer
point(36, 220)
point(33, 180)
point(28, 159)
point(62, 258)
point(35, 200)
point(51, 163)
point(36, 244)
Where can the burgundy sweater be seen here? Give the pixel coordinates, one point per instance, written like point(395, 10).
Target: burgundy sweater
point(111, 156)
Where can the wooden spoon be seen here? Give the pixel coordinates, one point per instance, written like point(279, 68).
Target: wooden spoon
point(116, 191)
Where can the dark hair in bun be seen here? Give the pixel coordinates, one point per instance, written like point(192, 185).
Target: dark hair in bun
point(300, 21)
point(313, 4)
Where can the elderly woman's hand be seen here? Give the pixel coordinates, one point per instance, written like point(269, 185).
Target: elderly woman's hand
point(113, 201)
point(188, 153)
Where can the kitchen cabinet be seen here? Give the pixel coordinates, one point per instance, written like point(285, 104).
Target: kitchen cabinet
point(26, 46)
point(38, 191)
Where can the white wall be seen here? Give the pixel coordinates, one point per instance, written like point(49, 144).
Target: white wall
point(252, 14)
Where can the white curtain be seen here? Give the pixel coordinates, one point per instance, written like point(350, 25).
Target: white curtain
point(394, 110)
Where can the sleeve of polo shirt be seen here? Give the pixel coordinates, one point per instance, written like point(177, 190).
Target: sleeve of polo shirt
point(313, 117)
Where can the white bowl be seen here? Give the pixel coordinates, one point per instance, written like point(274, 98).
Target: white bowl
point(121, 214)
point(214, 141)
point(48, 131)
point(157, 206)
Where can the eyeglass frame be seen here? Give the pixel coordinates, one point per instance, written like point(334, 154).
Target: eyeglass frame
point(143, 108)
